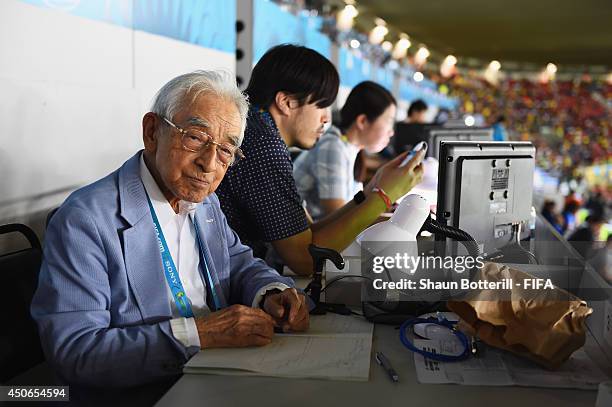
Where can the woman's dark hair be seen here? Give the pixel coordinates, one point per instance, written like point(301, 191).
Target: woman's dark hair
point(299, 71)
point(367, 98)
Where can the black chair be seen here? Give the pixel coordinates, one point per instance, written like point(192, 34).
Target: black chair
point(20, 347)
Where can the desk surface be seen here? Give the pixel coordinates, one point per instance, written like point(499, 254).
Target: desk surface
point(378, 391)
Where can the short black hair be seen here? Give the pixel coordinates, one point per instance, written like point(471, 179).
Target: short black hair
point(418, 105)
point(299, 71)
point(367, 98)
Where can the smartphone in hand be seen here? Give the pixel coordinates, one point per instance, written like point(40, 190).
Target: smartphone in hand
point(420, 146)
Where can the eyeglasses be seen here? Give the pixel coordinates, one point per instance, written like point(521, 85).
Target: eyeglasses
point(197, 140)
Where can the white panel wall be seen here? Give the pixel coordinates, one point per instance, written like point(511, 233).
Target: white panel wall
point(73, 92)
point(55, 135)
point(49, 45)
point(158, 59)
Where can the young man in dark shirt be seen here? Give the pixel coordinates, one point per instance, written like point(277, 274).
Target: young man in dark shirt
point(290, 91)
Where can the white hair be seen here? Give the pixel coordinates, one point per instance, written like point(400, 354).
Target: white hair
point(171, 97)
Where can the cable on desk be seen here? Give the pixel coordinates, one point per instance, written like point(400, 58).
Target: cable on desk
point(442, 321)
point(333, 280)
point(516, 232)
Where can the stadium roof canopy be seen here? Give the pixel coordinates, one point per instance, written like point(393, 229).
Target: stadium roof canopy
point(566, 32)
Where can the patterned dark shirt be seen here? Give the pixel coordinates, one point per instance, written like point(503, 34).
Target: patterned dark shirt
point(258, 194)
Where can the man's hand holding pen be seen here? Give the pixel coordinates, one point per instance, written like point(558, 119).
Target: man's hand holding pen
point(289, 310)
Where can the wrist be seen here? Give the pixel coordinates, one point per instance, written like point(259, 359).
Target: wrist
point(202, 334)
point(383, 196)
point(359, 197)
point(266, 295)
point(375, 204)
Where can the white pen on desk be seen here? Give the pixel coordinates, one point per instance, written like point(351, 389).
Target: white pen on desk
point(384, 362)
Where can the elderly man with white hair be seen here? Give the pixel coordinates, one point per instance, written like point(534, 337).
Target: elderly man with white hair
point(141, 269)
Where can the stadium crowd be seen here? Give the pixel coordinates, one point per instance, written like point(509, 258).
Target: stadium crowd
point(568, 121)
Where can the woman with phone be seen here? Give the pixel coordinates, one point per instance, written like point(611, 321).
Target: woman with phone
point(324, 175)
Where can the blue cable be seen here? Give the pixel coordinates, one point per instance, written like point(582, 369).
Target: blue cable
point(435, 356)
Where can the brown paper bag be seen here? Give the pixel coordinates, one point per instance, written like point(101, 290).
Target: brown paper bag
point(544, 325)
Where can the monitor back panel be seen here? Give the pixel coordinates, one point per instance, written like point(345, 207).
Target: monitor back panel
point(485, 187)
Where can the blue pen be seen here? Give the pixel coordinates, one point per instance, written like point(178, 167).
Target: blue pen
point(384, 362)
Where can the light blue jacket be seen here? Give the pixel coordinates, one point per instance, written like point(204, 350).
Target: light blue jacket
point(102, 306)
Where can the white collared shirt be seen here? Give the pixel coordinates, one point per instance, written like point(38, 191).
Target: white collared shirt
point(179, 232)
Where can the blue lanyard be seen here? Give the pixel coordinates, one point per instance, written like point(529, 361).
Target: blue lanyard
point(172, 276)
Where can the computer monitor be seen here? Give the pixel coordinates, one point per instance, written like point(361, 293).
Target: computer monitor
point(437, 135)
point(408, 135)
point(483, 188)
